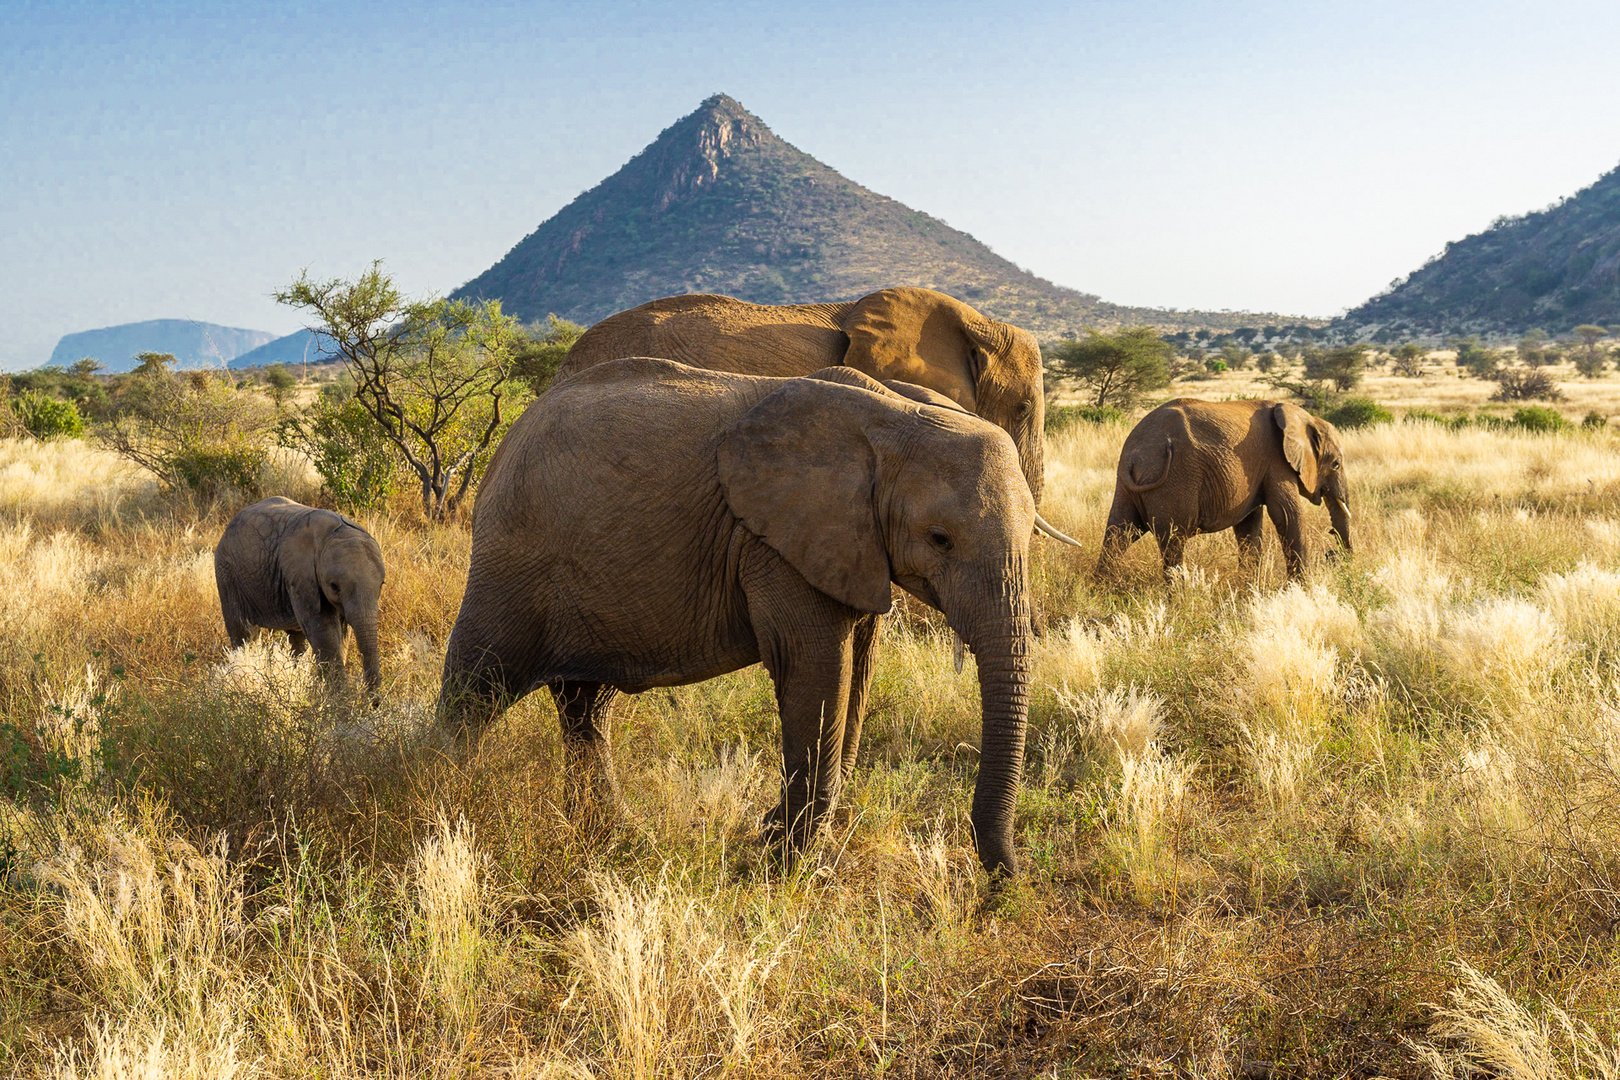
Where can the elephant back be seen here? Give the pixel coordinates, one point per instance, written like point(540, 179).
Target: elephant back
point(718, 333)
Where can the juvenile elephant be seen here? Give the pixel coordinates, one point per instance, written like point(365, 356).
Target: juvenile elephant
point(1195, 467)
point(646, 523)
point(912, 335)
point(313, 573)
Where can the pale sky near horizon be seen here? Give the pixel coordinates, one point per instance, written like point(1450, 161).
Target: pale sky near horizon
point(183, 160)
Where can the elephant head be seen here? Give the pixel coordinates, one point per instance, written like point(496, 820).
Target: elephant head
point(987, 367)
point(1311, 447)
point(349, 571)
point(856, 488)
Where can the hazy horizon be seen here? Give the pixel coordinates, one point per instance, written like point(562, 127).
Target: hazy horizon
point(171, 161)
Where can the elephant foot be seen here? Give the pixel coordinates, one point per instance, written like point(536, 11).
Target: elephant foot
point(785, 840)
point(591, 793)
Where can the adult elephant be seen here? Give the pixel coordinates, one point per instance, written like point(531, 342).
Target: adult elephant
point(916, 336)
point(313, 573)
point(646, 523)
point(1193, 467)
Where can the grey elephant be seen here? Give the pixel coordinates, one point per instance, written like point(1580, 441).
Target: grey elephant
point(917, 336)
point(1193, 467)
point(285, 566)
point(646, 523)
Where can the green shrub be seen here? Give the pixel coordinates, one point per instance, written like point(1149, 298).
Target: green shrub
point(1357, 412)
point(195, 431)
point(1061, 418)
point(1476, 359)
point(1424, 416)
point(542, 349)
point(1595, 421)
point(212, 470)
point(1521, 384)
point(48, 417)
point(1539, 418)
point(355, 459)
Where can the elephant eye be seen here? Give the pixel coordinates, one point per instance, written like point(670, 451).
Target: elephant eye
point(940, 539)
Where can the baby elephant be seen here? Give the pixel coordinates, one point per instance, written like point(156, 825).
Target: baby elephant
point(312, 573)
point(1195, 467)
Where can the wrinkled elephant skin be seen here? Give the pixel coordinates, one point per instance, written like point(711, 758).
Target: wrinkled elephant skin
point(646, 523)
point(285, 566)
point(917, 336)
point(1193, 467)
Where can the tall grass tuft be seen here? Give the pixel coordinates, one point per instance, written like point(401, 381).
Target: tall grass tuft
point(1483, 1031)
point(452, 922)
point(669, 992)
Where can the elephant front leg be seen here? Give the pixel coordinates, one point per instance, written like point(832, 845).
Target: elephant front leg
point(863, 664)
point(1286, 517)
point(297, 642)
point(812, 695)
point(590, 785)
point(325, 636)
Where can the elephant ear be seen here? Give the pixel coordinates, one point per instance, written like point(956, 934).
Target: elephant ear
point(800, 473)
point(923, 337)
point(1298, 448)
point(297, 556)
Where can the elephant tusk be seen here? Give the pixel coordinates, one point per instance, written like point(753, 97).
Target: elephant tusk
point(957, 650)
point(1044, 526)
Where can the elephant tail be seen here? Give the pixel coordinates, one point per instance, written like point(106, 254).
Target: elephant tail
point(1137, 489)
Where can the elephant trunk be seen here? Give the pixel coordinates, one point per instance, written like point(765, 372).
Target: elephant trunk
point(1339, 516)
point(1001, 647)
point(1034, 453)
point(365, 639)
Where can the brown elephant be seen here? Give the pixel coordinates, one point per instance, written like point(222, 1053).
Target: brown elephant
point(285, 566)
point(1195, 467)
point(646, 523)
point(911, 335)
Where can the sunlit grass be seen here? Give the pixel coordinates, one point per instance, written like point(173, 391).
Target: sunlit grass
point(1294, 824)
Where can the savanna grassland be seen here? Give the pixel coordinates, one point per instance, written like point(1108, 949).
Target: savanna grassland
point(1364, 825)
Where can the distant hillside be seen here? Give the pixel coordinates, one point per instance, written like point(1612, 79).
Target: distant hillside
point(1551, 270)
point(718, 203)
point(299, 347)
point(193, 344)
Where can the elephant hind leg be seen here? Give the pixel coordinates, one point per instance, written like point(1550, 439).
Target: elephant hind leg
point(590, 785)
point(1172, 545)
point(1249, 534)
point(237, 628)
point(1125, 527)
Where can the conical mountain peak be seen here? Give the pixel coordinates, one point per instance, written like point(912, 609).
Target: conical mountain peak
point(719, 203)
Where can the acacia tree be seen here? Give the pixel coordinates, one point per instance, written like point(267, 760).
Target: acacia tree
point(434, 375)
point(1342, 366)
point(1408, 359)
point(1121, 367)
point(1590, 360)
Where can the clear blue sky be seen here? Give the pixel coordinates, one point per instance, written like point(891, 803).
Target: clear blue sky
point(182, 160)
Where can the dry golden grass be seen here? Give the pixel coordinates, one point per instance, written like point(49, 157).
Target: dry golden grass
point(1365, 824)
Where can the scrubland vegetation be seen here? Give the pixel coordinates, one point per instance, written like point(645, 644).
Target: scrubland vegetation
point(1365, 825)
